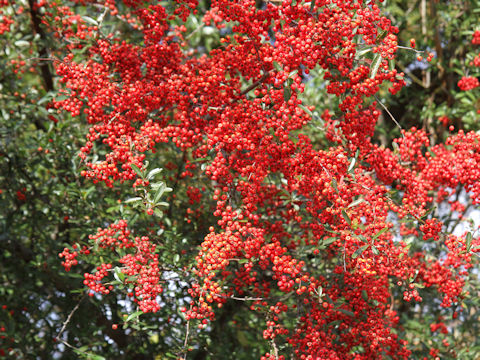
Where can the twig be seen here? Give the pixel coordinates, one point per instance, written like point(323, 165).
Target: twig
point(194, 31)
point(390, 114)
point(275, 349)
point(247, 298)
point(68, 320)
point(185, 342)
point(256, 83)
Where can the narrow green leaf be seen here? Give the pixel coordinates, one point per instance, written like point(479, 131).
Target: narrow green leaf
point(385, 229)
point(360, 52)
point(61, 98)
point(415, 277)
point(363, 238)
point(90, 20)
point(347, 312)
point(377, 60)
point(469, 241)
point(329, 241)
point(352, 165)
point(118, 274)
point(137, 170)
point(355, 203)
point(287, 93)
point(134, 199)
point(153, 172)
point(364, 295)
point(21, 43)
point(135, 315)
point(391, 64)
point(360, 251)
point(277, 66)
point(159, 193)
point(304, 108)
point(346, 217)
point(375, 250)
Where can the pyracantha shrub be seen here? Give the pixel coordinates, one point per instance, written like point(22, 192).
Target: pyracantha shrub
point(318, 231)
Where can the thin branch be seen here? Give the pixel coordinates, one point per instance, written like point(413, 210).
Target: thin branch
point(194, 31)
point(256, 83)
point(185, 342)
point(68, 319)
point(45, 69)
point(246, 298)
point(275, 349)
point(390, 114)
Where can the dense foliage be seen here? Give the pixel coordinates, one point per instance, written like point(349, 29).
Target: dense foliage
point(239, 179)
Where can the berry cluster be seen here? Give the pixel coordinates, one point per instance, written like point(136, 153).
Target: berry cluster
point(468, 83)
point(141, 267)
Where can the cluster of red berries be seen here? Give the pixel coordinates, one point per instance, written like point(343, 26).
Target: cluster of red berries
point(468, 83)
point(476, 37)
point(141, 267)
point(70, 258)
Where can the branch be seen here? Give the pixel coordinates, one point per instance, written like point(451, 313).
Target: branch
point(36, 21)
point(256, 83)
point(68, 319)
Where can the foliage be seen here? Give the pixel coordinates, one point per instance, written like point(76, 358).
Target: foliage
point(238, 180)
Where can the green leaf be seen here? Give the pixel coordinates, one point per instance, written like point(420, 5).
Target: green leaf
point(468, 241)
point(95, 357)
point(329, 241)
point(362, 238)
point(134, 199)
point(391, 64)
point(133, 316)
point(61, 98)
point(153, 172)
point(176, 258)
point(304, 108)
point(347, 312)
point(90, 20)
point(118, 274)
point(137, 170)
point(21, 43)
point(355, 203)
point(293, 73)
point(346, 217)
point(364, 295)
point(377, 60)
point(360, 52)
point(360, 251)
point(352, 165)
point(287, 93)
point(375, 250)
point(385, 229)
point(159, 193)
point(277, 66)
